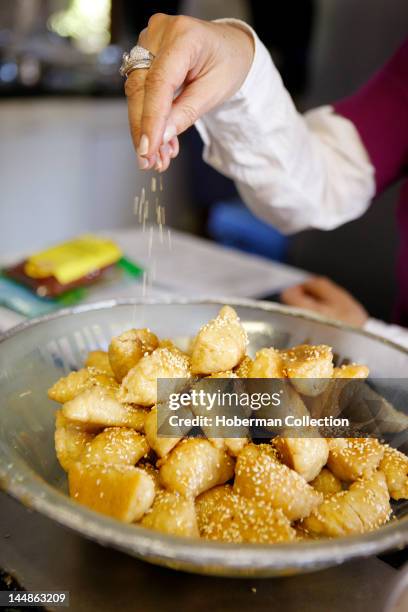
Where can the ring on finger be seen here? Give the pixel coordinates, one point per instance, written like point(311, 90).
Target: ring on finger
point(138, 58)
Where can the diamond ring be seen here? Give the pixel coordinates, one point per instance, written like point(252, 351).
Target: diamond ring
point(138, 58)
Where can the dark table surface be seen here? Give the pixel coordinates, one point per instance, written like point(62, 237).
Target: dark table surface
point(41, 555)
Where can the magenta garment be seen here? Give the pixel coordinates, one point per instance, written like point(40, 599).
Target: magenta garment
point(379, 110)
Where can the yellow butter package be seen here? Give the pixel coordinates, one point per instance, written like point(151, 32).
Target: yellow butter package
point(72, 260)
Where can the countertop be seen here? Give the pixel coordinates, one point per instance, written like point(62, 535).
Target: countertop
point(184, 265)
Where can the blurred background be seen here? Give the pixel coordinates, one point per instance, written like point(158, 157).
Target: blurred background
point(66, 160)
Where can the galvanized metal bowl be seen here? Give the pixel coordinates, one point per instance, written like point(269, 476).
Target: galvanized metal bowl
point(35, 354)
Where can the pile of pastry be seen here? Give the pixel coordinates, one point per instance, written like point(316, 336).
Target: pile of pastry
point(227, 489)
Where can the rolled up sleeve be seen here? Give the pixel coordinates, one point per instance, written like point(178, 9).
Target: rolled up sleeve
point(293, 171)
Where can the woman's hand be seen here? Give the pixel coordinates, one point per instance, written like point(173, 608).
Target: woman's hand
point(325, 297)
point(202, 63)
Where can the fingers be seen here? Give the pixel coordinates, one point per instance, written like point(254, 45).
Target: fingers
point(194, 101)
point(323, 296)
point(134, 88)
point(316, 293)
point(204, 61)
point(165, 151)
point(323, 288)
point(175, 147)
point(296, 296)
point(135, 85)
point(166, 75)
point(150, 97)
point(156, 108)
point(176, 61)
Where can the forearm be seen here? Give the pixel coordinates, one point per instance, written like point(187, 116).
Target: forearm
point(294, 171)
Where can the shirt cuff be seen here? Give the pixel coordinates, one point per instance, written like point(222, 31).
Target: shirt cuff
point(395, 333)
point(292, 171)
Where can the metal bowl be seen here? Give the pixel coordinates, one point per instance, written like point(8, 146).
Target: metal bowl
point(36, 353)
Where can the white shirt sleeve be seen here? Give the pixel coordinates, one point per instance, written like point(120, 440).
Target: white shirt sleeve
point(294, 171)
point(395, 333)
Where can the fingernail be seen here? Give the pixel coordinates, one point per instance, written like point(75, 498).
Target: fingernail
point(143, 145)
point(143, 163)
point(169, 133)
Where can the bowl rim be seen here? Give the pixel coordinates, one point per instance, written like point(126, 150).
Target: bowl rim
point(197, 555)
point(299, 313)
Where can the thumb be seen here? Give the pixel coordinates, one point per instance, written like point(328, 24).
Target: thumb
point(194, 101)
